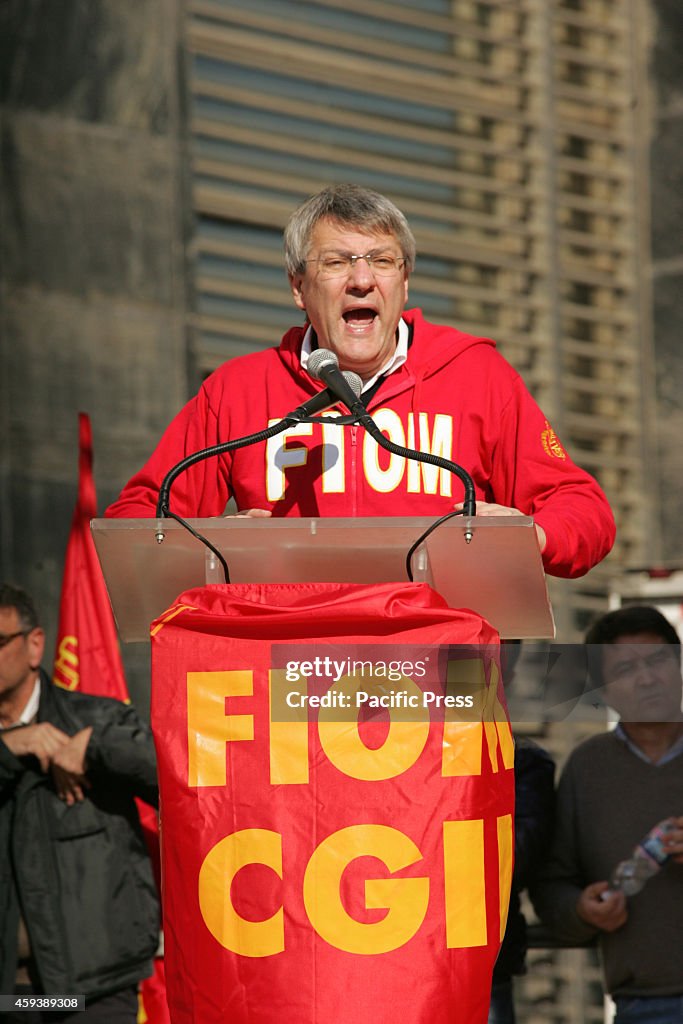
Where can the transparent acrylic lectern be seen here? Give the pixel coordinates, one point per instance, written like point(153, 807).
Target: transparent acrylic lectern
point(499, 574)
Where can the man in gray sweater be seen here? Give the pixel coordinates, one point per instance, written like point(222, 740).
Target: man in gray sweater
point(614, 789)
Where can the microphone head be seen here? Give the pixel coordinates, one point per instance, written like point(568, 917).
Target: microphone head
point(354, 381)
point(319, 358)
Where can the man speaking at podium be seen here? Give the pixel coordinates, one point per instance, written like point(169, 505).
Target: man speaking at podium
point(349, 254)
point(315, 877)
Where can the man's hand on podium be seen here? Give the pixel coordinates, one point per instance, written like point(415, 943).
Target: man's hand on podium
point(489, 508)
point(254, 513)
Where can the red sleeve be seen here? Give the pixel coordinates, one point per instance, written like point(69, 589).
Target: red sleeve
point(540, 479)
point(200, 491)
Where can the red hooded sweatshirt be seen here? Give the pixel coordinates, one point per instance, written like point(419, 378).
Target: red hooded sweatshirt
point(454, 396)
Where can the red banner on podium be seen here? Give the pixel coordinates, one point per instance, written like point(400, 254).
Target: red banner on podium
point(337, 794)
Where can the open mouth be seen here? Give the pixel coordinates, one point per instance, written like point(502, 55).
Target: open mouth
point(360, 317)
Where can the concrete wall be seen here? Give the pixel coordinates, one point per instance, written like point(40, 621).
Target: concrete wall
point(92, 280)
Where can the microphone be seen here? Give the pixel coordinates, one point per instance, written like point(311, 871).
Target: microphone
point(323, 365)
point(325, 399)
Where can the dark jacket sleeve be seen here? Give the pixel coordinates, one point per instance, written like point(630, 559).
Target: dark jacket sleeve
point(534, 809)
point(121, 749)
point(11, 768)
point(534, 805)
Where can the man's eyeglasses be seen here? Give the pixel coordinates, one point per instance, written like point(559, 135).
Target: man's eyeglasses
point(338, 264)
point(6, 638)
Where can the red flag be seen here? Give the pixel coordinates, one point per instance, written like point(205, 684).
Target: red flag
point(88, 658)
point(87, 644)
point(322, 865)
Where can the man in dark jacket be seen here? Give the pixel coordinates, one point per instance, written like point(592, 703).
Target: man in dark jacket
point(78, 905)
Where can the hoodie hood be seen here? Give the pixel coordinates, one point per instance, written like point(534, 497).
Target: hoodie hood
point(445, 345)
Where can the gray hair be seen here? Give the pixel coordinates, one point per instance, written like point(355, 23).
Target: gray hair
point(351, 205)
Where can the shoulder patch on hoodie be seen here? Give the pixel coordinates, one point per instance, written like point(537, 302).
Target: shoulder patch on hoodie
point(551, 443)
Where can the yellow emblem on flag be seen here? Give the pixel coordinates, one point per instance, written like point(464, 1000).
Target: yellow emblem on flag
point(66, 665)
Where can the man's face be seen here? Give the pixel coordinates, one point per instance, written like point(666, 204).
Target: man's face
point(19, 658)
point(642, 678)
point(355, 315)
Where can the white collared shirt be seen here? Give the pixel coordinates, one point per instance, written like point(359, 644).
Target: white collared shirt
point(675, 750)
point(397, 358)
point(30, 709)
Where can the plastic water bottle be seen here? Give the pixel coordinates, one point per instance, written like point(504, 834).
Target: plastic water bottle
point(646, 860)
